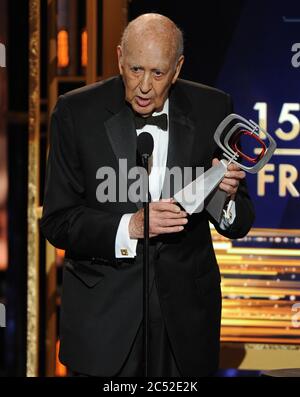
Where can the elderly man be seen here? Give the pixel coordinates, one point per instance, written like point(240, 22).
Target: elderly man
point(95, 127)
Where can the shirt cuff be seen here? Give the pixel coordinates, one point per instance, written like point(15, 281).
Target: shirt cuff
point(125, 247)
point(228, 216)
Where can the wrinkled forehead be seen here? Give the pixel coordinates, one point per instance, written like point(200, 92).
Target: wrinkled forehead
point(150, 49)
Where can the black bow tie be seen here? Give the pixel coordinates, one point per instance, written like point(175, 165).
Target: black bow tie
point(160, 121)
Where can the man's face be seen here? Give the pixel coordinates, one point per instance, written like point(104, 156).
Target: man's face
point(148, 68)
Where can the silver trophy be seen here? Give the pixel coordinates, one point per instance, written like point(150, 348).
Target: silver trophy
point(203, 192)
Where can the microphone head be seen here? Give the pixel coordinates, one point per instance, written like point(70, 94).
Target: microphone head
point(145, 144)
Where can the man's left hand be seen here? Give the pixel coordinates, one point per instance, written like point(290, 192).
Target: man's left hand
point(232, 179)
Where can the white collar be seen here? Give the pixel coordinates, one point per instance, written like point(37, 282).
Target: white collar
point(164, 110)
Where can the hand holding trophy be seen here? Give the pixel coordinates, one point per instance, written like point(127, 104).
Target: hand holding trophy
point(203, 192)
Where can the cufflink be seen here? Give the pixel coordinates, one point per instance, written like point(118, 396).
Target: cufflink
point(124, 252)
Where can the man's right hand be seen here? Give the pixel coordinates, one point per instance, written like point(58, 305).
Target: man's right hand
point(164, 217)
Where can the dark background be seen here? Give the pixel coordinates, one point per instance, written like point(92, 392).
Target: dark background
point(207, 26)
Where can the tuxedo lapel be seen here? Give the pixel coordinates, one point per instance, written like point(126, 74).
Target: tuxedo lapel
point(122, 136)
point(122, 133)
point(181, 136)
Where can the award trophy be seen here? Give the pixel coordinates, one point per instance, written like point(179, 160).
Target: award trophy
point(203, 192)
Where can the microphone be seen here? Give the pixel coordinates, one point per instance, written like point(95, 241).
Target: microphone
point(145, 144)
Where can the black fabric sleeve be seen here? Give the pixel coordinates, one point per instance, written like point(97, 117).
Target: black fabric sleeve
point(67, 222)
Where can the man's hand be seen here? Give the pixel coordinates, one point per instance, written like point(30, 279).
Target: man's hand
point(232, 179)
point(164, 217)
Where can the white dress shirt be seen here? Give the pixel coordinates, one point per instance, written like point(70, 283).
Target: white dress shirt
point(125, 247)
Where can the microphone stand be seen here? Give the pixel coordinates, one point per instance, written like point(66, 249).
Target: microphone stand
point(145, 158)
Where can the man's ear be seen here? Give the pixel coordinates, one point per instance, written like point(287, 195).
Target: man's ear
point(178, 68)
point(120, 59)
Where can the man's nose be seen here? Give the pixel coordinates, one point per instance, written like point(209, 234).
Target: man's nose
point(145, 84)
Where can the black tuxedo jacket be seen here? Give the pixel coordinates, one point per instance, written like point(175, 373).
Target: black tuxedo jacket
point(101, 306)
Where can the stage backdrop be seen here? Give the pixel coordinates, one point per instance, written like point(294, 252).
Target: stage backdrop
point(262, 72)
point(261, 273)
